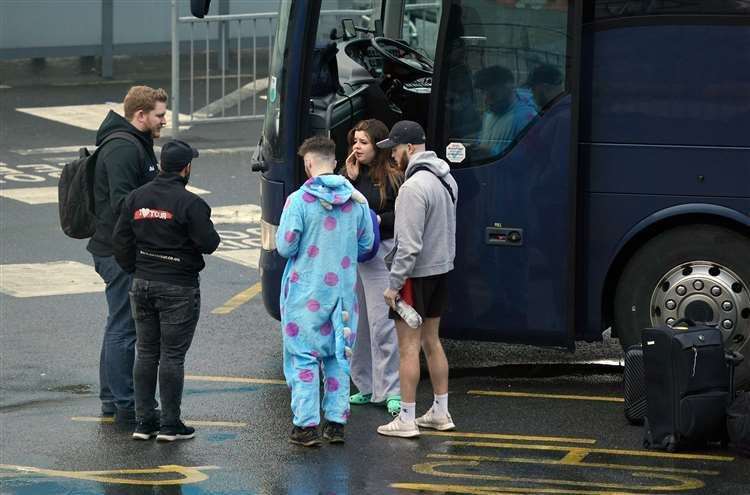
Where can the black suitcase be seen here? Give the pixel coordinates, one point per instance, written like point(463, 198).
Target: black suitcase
point(689, 385)
point(634, 384)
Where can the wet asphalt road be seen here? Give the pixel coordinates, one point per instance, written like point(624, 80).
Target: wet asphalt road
point(51, 441)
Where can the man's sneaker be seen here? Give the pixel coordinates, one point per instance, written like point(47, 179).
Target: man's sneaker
point(145, 430)
point(178, 432)
point(333, 432)
point(435, 421)
point(399, 428)
point(307, 437)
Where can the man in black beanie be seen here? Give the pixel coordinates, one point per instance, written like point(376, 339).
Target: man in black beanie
point(161, 234)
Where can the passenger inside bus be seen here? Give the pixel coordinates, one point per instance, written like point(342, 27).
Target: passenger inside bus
point(507, 111)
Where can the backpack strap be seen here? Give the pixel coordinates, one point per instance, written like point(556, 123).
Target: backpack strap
point(127, 137)
point(442, 181)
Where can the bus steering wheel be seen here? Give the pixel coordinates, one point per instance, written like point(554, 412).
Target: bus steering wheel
point(419, 65)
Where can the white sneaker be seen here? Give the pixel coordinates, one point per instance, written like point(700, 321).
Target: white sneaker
point(436, 422)
point(399, 428)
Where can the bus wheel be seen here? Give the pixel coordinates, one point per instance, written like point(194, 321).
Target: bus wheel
point(700, 272)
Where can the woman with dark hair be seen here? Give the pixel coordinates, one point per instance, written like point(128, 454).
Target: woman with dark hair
point(375, 362)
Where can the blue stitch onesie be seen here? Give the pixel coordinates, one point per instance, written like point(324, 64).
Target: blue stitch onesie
point(322, 232)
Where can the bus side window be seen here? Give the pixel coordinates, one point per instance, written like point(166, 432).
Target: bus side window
point(507, 66)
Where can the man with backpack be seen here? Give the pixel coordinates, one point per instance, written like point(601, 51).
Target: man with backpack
point(425, 246)
point(125, 162)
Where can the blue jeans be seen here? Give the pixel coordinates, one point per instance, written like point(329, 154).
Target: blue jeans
point(118, 348)
point(165, 319)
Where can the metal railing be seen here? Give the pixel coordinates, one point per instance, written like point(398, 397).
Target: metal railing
point(214, 69)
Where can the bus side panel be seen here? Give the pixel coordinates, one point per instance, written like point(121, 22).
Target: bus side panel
point(608, 217)
point(664, 119)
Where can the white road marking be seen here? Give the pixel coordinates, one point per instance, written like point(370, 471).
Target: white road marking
point(49, 279)
point(236, 214)
point(48, 195)
point(85, 116)
point(245, 257)
point(232, 99)
point(31, 195)
point(72, 151)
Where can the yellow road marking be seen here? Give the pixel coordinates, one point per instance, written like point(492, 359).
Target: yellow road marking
point(494, 393)
point(499, 436)
point(234, 379)
point(567, 461)
point(189, 474)
point(98, 419)
point(497, 490)
point(237, 300)
point(633, 453)
point(682, 483)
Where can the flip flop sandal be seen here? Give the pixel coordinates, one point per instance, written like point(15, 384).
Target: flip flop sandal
point(393, 403)
point(359, 398)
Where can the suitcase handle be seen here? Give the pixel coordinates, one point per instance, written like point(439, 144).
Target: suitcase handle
point(687, 321)
point(734, 358)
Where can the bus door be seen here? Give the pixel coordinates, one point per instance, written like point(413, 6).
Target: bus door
point(502, 115)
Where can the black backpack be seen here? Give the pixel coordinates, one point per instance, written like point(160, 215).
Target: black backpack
point(75, 191)
point(738, 424)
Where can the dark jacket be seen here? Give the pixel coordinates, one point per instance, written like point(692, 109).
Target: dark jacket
point(119, 170)
point(162, 231)
point(372, 192)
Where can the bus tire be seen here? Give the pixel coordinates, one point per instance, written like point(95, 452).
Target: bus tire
point(648, 285)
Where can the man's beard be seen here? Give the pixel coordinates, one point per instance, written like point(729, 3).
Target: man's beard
point(403, 161)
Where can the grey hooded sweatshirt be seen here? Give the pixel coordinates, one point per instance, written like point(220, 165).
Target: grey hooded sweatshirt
point(425, 225)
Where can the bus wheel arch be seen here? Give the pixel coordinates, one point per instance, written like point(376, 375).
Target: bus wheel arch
point(680, 268)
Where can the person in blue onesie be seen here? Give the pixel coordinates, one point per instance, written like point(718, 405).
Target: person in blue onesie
point(324, 229)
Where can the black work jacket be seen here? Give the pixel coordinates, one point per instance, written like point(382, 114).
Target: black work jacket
point(119, 170)
point(162, 232)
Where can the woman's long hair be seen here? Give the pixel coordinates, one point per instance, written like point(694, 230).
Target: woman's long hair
point(382, 168)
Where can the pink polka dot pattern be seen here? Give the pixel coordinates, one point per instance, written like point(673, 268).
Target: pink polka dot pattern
point(309, 198)
point(306, 375)
point(347, 206)
point(326, 329)
point(336, 199)
point(294, 277)
point(315, 354)
point(329, 223)
point(313, 305)
point(290, 236)
point(346, 262)
point(313, 251)
point(347, 414)
point(331, 279)
point(332, 384)
point(288, 202)
point(291, 329)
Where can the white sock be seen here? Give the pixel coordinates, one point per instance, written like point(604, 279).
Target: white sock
point(407, 411)
point(440, 405)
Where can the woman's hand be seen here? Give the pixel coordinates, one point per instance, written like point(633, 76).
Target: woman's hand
point(352, 167)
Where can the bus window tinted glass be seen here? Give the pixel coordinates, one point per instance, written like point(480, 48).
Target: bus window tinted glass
point(420, 28)
point(607, 9)
point(507, 65)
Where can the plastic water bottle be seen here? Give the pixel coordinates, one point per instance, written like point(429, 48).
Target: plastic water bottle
point(408, 314)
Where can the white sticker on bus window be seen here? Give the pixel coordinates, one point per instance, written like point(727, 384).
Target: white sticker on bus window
point(455, 152)
point(272, 90)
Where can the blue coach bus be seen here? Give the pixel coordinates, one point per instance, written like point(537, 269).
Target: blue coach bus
point(601, 147)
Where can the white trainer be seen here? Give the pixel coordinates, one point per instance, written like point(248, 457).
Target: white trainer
point(399, 428)
point(436, 422)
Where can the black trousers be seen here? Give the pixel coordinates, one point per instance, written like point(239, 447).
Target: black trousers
point(165, 319)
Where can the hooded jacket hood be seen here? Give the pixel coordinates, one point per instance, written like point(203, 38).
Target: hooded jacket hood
point(115, 122)
point(333, 189)
point(430, 160)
